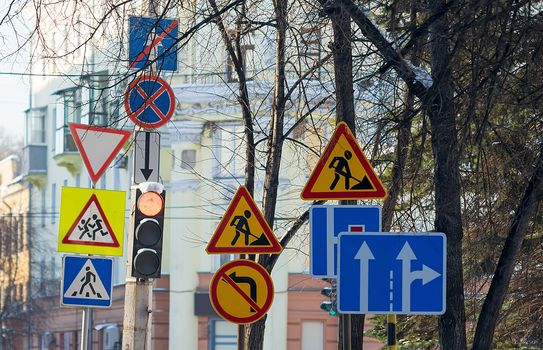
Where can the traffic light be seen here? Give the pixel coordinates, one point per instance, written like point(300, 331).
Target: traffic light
point(330, 306)
point(148, 230)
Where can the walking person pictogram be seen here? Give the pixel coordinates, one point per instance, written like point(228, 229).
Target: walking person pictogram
point(88, 280)
point(85, 230)
point(341, 169)
point(97, 226)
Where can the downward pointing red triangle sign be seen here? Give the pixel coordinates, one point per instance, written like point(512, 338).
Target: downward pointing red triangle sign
point(98, 146)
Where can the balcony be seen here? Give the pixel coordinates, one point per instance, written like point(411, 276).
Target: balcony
point(35, 162)
point(66, 154)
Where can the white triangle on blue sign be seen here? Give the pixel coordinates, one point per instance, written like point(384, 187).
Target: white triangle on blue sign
point(87, 284)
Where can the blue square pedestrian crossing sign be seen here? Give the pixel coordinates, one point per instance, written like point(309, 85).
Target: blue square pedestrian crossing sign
point(86, 282)
point(150, 36)
point(392, 273)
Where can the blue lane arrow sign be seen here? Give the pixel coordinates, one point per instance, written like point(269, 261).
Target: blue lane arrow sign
point(385, 272)
point(326, 222)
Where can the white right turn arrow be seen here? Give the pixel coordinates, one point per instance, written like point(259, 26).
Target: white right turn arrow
point(427, 274)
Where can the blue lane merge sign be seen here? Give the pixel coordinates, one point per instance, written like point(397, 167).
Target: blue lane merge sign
point(148, 35)
point(86, 281)
point(326, 222)
point(385, 273)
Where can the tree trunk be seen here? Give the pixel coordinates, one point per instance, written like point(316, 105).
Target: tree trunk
point(343, 75)
point(441, 111)
point(526, 210)
point(275, 149)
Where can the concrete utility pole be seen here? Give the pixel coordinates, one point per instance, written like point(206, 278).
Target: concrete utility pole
point(138, 298)
point(138, 307)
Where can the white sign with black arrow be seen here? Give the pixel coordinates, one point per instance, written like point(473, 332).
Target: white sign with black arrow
point(146, 156)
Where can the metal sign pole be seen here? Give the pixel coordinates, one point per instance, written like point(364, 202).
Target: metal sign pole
point(391, 332)
point(85, 323)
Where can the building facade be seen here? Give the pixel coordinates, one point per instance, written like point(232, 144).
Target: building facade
point(202, 164)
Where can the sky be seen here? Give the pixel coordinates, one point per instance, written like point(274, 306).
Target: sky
point(14, 87)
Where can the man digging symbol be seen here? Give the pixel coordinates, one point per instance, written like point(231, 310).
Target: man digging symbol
point(87, 282)
point(242, 227)
point(342, 169)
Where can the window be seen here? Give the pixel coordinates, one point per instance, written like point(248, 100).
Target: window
point(116, 178)
point(67, 341)
point(222, 335)
point(53, 202)
point(43, 207)
point(54, 127)
point(221, 259)
point(312, 335)
point(47, 341)
point(229, 149)
point(103, 181)
point(310, 51)
point(68, 109)
point(246, 55)
point(95, 102)
point(188, 159)
point(35, 126)
point(311, 38)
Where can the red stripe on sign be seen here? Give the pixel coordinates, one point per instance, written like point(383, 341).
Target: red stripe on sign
point(242, 293)
point(149, 101)
point(154, 43)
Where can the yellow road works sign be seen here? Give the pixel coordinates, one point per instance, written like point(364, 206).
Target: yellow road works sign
point(243, 229)
point(343, 172)
point(241, 291)
point(91, 221)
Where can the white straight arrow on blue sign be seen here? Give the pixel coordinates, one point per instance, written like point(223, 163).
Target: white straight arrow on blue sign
point(364, 255)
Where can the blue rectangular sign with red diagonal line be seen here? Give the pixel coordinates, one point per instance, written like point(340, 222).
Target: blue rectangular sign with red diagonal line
point(325, 224)
point(153, 35)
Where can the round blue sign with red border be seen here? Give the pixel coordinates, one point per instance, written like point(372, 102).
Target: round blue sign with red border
point(149, 101)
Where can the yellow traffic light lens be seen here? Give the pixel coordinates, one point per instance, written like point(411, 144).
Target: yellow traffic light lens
point(150, 203)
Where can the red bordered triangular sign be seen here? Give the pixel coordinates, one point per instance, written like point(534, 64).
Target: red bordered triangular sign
point(98, 146)
point(243, 229)
point(343, 171)
point(91, 227)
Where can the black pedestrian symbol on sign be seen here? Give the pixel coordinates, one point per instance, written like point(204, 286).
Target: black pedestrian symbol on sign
point(87, 282)
point(242, 227)
point(342, 169)
point(95, 225)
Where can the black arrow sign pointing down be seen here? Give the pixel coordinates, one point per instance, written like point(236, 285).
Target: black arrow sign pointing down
point(251, 282)
point(146, 171)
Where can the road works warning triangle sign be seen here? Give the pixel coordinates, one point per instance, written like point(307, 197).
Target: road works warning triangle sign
point(243, 229)
point(91, 227)
point(343, 172)
point(91, 221)
point(98, 146)
point(87, 284)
